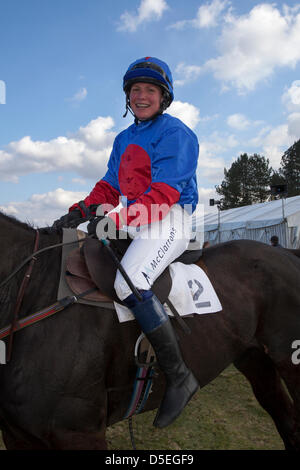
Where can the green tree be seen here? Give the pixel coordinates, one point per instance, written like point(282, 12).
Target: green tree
point(290, 169)
point(246, 182)
point(260, 176)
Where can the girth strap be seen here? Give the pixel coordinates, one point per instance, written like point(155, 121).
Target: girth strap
point(42, 314)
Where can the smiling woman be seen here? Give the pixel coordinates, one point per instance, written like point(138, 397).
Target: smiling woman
point(145, 100)
point(153, 163)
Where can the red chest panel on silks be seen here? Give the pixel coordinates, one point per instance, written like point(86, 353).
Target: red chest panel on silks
point(134, 172)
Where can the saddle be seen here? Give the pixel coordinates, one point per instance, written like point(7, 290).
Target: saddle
point(91, 266)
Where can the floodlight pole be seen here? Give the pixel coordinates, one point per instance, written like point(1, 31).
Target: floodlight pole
point(284, 223)
point(212, 202)
point(219, 221)
point(281, 191)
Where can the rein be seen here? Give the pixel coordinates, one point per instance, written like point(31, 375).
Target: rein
point(33, 255)
point(20, 296)
point(63, 303)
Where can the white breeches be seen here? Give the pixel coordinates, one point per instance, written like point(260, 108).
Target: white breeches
point(152, 249)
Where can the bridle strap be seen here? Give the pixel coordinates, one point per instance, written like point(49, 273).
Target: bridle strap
point(20, 296)
point(33, 255)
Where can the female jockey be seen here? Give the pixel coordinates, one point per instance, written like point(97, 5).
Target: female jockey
point(153, 165)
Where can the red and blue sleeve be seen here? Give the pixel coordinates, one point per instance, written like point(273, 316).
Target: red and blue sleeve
point(174, 164)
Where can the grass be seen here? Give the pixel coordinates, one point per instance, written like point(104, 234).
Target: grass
point(224, 415)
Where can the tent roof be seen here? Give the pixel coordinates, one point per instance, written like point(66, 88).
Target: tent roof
point(256, 216)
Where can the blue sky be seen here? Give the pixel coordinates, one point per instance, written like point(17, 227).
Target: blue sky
point(236, 72)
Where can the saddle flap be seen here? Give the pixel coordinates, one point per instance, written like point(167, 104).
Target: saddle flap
point(80, 284)
point(79, 279)
point(76, 265)
point(102, 270)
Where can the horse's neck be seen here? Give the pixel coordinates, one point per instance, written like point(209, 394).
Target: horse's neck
point(17, 242)
point(14, 239)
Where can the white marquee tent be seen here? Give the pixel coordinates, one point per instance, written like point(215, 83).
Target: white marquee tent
point(256, 222)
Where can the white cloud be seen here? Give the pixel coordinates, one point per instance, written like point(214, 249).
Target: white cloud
point(87, 152)
point(253, 45)
point(211, 162)
point(238, 121)
point(291, 96)
point(79, 96)
point(188, 73)
point(207, 16)
point(147, 11)
point(97, 133)
point(80, 181)
point(187, 112)
point(294, 125)
point(42, 209)
point(274, 142)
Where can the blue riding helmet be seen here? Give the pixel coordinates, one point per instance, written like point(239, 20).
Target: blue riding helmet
point(150, 70)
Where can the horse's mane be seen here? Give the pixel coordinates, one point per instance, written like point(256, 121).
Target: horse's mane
point(13, 220)
point(29, 226)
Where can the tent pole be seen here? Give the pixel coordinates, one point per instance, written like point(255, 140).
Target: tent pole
point(219, 224)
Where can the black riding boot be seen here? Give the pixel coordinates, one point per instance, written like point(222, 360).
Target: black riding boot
point(180, 381)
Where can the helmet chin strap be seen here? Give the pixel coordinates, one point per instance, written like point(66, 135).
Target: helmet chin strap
point(128, 108)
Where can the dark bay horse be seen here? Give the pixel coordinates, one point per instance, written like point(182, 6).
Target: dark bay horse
point(71, 375)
